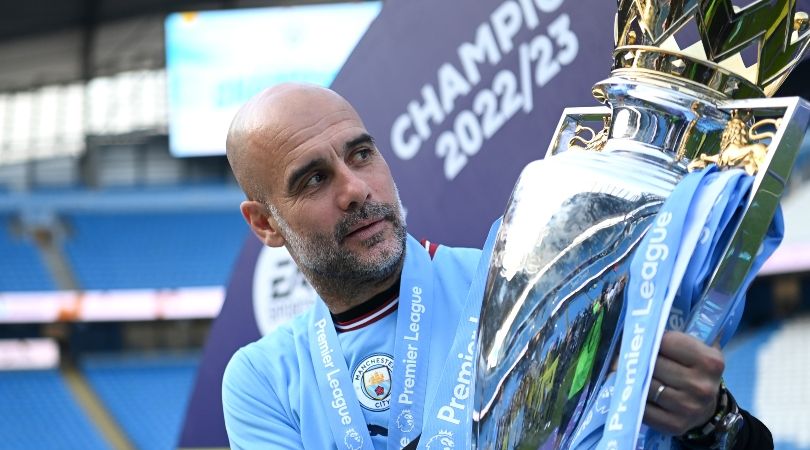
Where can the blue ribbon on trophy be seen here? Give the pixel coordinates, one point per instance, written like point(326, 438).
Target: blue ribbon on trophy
point(668, 273)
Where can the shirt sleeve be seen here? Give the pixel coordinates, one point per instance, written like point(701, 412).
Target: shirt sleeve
point(254, 415)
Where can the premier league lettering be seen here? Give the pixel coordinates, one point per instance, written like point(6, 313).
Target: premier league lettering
point(410, 361)
point(417, 308)
point(461, 391)
point(338, 400)
point(323, 345)
point(414, 327)
point(493, 106)
point(656, 251)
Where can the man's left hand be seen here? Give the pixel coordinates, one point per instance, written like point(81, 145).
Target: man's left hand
point(690, 371)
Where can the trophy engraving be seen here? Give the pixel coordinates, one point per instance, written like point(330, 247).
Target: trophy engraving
point(552, 309)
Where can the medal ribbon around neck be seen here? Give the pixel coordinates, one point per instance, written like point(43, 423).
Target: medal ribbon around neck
point(411, 351)
point(412, 346)
point(448, 417)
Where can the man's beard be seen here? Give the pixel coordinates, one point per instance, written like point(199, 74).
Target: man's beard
point(337, 269)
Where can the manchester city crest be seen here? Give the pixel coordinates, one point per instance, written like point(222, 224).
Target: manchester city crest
point(371, 379)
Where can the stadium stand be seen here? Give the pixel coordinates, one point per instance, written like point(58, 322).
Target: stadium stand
point(21, 266)
point(131, 250)
point(147, 395)
point(766, 369)
point(39, 412)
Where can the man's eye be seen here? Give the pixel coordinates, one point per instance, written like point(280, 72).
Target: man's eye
point(363, 154)
point(315, 180)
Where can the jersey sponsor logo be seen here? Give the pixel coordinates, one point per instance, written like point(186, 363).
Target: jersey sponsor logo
point(372, 381)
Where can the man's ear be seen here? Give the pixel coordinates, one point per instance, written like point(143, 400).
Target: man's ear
point(264, 226)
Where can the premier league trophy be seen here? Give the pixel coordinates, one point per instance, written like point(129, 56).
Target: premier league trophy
point(562, 266)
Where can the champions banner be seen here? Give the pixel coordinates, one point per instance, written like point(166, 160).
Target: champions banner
point(459, 96)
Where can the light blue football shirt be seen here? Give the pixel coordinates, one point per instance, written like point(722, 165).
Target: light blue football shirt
point(270, 394)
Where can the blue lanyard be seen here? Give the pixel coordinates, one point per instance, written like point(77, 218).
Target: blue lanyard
point(349, 429)
point(708, 204)
point(448, 417)
point(412, 347)
point(724, 191)
point(656, 274)
point(727, 326)
point(733, 188)
point(414, 319)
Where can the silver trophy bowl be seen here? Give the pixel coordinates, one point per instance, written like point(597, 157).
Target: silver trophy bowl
point(550, 319)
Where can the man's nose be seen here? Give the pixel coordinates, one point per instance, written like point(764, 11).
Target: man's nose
point(353, 190)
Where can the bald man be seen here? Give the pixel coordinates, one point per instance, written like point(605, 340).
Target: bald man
point(317, 184)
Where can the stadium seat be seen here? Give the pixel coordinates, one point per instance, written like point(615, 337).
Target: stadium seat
point(39, 412)
point(153, 249)
point(147, 395)
point(21, 266)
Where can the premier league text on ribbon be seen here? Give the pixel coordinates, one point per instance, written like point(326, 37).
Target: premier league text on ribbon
point(339, 401)
point(493, 106)
point(655, 252)
point(411, 356)
point(461, 391)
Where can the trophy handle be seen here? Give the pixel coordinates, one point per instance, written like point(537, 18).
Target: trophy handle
point(572, 123)
point(772, 172)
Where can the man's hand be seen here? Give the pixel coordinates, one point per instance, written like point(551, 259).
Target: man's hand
point(690, 371)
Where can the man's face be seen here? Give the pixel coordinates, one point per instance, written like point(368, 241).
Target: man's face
point(323, 255)
point(331, 195)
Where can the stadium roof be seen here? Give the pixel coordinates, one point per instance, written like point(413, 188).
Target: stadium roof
point(20, 19)
point(29, 18)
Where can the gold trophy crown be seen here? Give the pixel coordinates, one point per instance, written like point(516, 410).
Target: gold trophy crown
point(648, 39)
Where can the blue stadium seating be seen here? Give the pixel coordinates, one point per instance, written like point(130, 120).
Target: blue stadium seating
point(754, 360)
point(147, 396)
point(132, 250)
point(37, 411)
point(21, 267)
